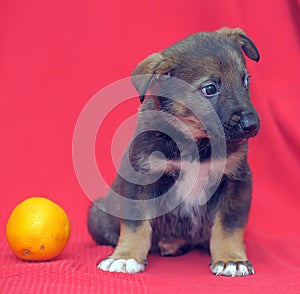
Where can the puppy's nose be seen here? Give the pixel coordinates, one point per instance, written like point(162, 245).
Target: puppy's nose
point(249, 122)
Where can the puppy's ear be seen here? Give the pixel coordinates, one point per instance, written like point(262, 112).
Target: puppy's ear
point(154, 65)
point(240, 37)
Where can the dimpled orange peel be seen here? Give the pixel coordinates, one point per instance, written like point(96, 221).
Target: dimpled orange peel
point(38, 229)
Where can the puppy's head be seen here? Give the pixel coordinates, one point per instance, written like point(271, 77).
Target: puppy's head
point(214, 64)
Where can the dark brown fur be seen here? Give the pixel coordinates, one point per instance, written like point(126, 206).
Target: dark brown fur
point(201, 59)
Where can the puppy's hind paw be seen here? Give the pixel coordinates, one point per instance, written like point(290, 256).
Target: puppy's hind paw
point(232, 269)
point(121, 265)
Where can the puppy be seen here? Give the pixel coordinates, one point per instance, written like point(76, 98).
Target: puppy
point(180, 218)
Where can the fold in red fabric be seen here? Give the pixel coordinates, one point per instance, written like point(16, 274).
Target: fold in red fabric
point(55, 55)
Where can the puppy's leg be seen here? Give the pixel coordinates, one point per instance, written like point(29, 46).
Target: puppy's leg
point(132, 248)
point(228, 251)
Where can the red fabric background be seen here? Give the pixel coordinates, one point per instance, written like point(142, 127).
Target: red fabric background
point(55, 55)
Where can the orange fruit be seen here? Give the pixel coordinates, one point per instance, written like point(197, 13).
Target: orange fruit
point(37, 229)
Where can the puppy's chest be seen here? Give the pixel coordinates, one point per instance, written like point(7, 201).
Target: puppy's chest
point(198, 181)
point(193, 216)
point(189, 188)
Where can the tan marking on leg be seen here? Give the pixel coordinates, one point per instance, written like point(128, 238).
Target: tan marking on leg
point(133, 242)
point(226, 246)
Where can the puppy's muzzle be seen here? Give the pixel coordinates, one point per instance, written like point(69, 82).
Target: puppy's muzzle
point(242, 126)
point(249, 123)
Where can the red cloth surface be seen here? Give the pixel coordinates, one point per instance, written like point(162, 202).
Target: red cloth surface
point(55, 55)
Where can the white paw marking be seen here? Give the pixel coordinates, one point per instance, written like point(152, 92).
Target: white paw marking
point(232, 269)
point(118, 266)
point(105, 264)
point(229, 270)
point(121, 265)
point(218, 269)
point(242, 270)
point(134, 267)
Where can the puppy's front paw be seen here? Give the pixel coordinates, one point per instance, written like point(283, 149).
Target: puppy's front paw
point(230, 268)
point(130, 266)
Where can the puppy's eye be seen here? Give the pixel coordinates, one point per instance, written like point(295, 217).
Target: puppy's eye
point(209, 90)
point(247, 81)
point(164, 77)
